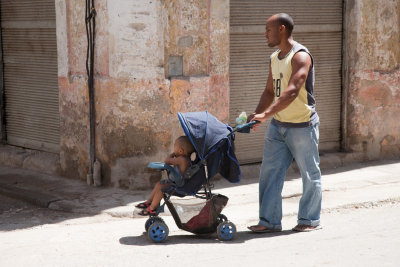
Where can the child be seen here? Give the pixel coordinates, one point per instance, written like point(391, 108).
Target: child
point(180, 159)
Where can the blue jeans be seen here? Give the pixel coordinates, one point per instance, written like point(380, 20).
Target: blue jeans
point(280, 147)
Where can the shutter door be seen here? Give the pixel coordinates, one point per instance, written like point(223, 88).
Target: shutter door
point(30, 74)
point(318, 26)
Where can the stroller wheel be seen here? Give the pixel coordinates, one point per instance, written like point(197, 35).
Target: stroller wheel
point(158, 232)
point(226, 231)
point(152, 220)
point(222, 218)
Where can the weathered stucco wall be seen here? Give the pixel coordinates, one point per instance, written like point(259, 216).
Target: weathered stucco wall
point(372, 78)
point(136, 101)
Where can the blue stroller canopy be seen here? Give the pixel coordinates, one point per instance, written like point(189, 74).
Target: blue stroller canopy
point(204, 130)
point(206, 133)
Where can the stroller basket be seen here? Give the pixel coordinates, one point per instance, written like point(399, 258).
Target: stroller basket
point(196, 215)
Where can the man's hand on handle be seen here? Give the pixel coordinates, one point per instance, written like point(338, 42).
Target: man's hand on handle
point(260, 117)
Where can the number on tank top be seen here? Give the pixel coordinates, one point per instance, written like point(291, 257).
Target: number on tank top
point(277, 87)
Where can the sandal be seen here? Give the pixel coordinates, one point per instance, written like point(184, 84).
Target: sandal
point(263, 229)
point(306, 228)
point(147, 212)
point(143, 205)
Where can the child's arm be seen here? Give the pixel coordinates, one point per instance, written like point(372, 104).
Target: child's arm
point(180, 161)
point(171, 159)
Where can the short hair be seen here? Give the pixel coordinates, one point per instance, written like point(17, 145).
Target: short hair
point(185, 144)
point(287, 21)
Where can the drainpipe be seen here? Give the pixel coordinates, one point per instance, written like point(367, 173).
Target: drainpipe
point(94, 175)
point(2, 94)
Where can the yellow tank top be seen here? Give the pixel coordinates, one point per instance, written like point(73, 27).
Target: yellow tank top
point(301, 112)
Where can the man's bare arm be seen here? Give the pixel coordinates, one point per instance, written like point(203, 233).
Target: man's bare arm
point(301, 64)
point(266, 98)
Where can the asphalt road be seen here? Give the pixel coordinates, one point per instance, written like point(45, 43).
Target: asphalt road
point(356, 236)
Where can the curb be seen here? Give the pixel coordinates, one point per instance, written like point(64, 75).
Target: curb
point(385, 185)
point(36, 198)
point(59, 204)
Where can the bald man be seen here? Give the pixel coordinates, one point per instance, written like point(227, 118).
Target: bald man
point(293, 132)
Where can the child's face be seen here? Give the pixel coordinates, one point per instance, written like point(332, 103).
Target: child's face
point(178, 150)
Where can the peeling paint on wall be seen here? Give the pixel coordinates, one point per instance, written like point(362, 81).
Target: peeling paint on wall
point(136, 39)
point(378, 35)
point(188, 19)
point(136, 104)
point(374, 76)
point(74, 129)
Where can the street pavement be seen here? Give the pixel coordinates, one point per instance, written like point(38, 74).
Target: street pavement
point(80, 225)
point(364, 237)
point(354, 185)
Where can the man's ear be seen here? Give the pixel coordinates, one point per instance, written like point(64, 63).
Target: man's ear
point(282, 28)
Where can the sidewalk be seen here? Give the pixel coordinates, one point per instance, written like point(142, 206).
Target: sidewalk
point(358, 184)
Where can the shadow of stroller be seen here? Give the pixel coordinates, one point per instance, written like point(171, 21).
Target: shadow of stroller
point(240, 237)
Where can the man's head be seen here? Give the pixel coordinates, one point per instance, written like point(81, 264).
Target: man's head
point(278, 28)
point(183, 146)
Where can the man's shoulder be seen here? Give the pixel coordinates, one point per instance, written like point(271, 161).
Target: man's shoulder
point(298, 47)
point(302, 59)
point(301, 53)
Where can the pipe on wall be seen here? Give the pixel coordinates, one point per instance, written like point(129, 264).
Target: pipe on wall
point(94, 175)
point(3, 136)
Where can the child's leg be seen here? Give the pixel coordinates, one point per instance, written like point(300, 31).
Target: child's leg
point(153, 192)
point(147, 203)
point(157, 195)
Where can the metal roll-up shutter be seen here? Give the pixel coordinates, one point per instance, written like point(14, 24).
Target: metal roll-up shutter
point(318, 26)
point(30, 74)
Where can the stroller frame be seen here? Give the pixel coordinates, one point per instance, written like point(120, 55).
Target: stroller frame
point(157, 230)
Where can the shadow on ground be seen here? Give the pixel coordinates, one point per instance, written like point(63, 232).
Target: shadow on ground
point(240, 237)
point(17, 214)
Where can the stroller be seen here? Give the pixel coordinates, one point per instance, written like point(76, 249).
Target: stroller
point(193, 206)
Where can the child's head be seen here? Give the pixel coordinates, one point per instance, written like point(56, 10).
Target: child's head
point(183, 146)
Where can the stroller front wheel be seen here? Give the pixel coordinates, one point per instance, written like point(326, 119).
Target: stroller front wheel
point(152, 220)
point(158, 232)
point(226, 231)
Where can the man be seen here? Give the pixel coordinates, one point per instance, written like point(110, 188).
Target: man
point(293, 132)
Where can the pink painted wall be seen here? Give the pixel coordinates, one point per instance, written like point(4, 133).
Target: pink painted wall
point(372, 78)
point(136, 103)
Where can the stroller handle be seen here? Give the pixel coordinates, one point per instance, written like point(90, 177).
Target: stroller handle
point(245, 128)
point(162, 166)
